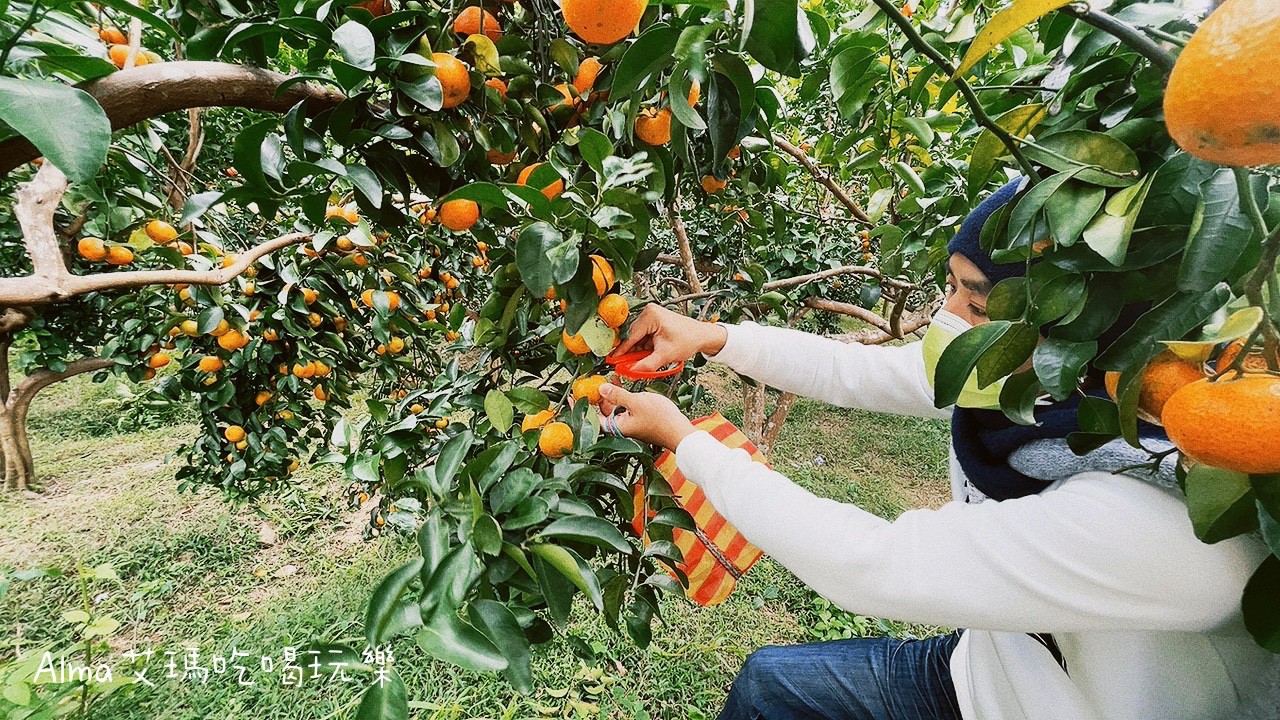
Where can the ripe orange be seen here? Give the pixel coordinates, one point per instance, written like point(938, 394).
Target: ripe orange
point(234, 434)
point(159, 360)
point(377, 8)
point(262, 398)
point(395, 346)
point(1255, 362)
point(442, 423)
point(211, 364)
point(112, 36)
point(345, 244)
point(314, 320)
point(185, 248)
point(119, 255)
point(551, 191)
point(320, 394)
point(416, 409)
point(92, 248)
point(309, 296)
point(459, 215)
point(537, 420)
point(320, 369)
point(602, 275)
point(474, 19)
point(588, 71)
point(190, 328)
point(695, 93)
point(556, 440)
point(499, 85)
point(497, 157)
point(589, 387)
point(222, 328)
point(653, 127)
point(1163, 376)
point(568, 101)
point(454, 79)
point(712, 184)
point(574, 343)
point(1220, 105)
point(304, 370)
point(602, 22)
point(161, 232)
point(736, 152)
point(119, 53)
point(233, 340)
point(613, 310)
point(1231, 424)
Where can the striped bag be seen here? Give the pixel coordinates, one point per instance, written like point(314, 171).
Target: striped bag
point(716, 555)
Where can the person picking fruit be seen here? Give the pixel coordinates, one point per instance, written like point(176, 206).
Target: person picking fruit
point(1082, 589)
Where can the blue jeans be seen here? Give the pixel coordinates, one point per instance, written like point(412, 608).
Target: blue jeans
point(862, 679)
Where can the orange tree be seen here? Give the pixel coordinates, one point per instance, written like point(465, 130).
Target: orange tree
point(534, 165)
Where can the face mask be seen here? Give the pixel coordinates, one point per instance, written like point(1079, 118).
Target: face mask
point(945, 327)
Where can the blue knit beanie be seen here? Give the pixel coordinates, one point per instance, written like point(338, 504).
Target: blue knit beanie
point(966, 242)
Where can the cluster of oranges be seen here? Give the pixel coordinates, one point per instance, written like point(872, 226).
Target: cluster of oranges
point(1217, 414)
point(612, 309)
point(118, 49)
point(96, 249)
point(555, 438)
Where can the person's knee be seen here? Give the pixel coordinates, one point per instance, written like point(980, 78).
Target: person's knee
point(763, 670)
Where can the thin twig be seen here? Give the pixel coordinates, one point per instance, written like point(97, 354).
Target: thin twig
point(822, 177)
point(1124, 32)
point(979, 113)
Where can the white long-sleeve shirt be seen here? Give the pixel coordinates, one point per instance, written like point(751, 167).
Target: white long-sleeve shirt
point(1146, 616)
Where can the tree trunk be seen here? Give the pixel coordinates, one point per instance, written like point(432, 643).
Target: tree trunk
point(18, 468)
point(773, 426)
point(752, 409)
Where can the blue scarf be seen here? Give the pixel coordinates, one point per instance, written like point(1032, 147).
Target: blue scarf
point(984, 439)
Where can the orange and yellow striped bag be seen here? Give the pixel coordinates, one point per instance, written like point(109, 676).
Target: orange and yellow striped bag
point(716, 555)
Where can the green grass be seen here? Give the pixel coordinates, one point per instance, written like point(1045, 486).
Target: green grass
point(194, 574)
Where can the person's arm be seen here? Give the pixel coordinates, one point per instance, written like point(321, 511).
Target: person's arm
point(881, 378)
point(1102, 551)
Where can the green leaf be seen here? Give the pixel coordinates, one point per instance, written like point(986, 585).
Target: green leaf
point(598, 336)
point(529, 400)
point(1008, 299)
point(1007, 353)
point(1270, 528)
point(909, 176)
point(1170, 320)
point(780, 36)
point(66, 124)
point(1220, 233)
point(1071, 209)
point(594, 147)
point(1002, 26)
point(356, 44)
point(1220, 502)
point(486, 194)
point(446, 637)
point(588, 529)
point(1110, 232)
point(499, 410)
point(649, 54)
point(573, 568)
point(921, 128)
point(444, 592)
point(545, 257)
point(1018, 122)
point(486, 534)
point(1261, 611)
point(680, 86)
point(451, 457)
point(1267, 490)
point(1058, 363)
point(961, 357)
point(382, 604)
point(499, 624)
point(1018, 397)
point(853, 77)
point(385, 700)
point(1101, 159)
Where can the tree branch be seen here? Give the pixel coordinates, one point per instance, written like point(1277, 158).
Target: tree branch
point(822, 177)
point(979, 113)
point(41, 379)
point(1126, 33)
point(834, 272)
point(843, 308)
point(129, 97)
point(686, 252)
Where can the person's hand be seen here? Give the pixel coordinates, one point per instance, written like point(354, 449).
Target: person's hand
point(645, 416)
point(671, 336)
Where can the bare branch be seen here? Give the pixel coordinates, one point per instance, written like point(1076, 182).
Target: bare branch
point(874, 336)
point(822, 177)
point(129, 97)
point(703, 266)
point(835, 272)
point(37, 202)
point(41, 379)
point(686, 252)
point(856, 311)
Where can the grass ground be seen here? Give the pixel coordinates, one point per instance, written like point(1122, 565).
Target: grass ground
point(196, 572)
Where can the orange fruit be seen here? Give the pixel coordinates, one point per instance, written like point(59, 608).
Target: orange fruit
point(233, 340)
point(567, 102)
point(320, 369)
point(1163, 376)
point(653, 127)
point(92, 248)
point(222, 329)
point(416, 409)
point(1255, 362)
point(304, 370)
point(602, 22)
point(344, 244)
point(613, 310)
point(119, 255)
point(441, 424)
point(119, 53)
point(499, 85)
point(161, 232)
point(395, 346)
point(377, 8)
point(234, 434)
point(314, 320)
point(588, 387)
point(159, 360)
point(588, 71)
point(1230, 423)
point(185, 248)
point(190, 328)
point(736, 152)
point(537, 420)
point(695, 93)
point(497, 157)
point(472, 20)
point(1220, 104)
point(602, 275)
point(556, 440)
point(454, 78)
point(262, 398)
point(112, 36)
point(309, 296)
point(211, 364)
point(320, 394)
point(712, 184)
point(459, 215)
point(574, 343)
point(551, 191)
